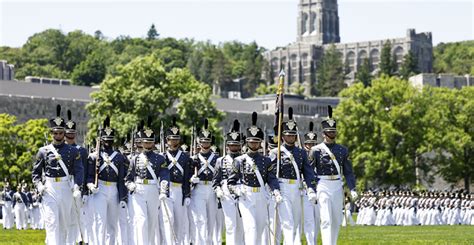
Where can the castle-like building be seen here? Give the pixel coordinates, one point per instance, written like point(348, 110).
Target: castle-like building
point(318, 29)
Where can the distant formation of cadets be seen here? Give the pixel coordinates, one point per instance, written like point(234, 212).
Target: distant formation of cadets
point(141, 194)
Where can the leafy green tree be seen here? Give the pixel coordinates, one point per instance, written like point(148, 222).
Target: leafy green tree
point(297, 88)
point(32, 69)
point(409, 66)
point(381, 126)
point(142, 88)
point(91, 71)
point(363, 74)
point(46, 48)
point(457, 58)
point(8, 145)
point(330, 73)
point(152, 33)
point(387, 65)
point(79, 46)
point(451, 133)
point(264, 89)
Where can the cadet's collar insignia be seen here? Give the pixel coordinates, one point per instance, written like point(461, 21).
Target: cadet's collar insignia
point(174, 130)
point(70, 124)
point(331, 122)
point(58, 121)
point(254, 130)
point(291, 125)
point(148, 132)
point(311, 135)
point(108, 131)
point(234, 135)
point(206, 133)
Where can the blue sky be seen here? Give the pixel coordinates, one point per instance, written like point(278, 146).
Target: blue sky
point(270, 23)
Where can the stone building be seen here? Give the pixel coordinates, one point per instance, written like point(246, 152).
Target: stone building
point(318, 29)
point(7, 71)
point(441, 80)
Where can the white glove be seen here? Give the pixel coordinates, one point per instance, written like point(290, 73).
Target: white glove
point(354, 195)
point(41, 188)
point(76, 193)
point(131, 186)
point(194, 179)
point(219, 192)
point(92, 188)
point(312, 197)
point(162, 196)
point(123, 204)
point(277, 195)
point(187, 201)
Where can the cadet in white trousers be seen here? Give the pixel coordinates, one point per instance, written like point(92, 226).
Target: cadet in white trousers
point(311, 216)
point(20, 203)
point(7, 206)
point(253, 171)
point(148, 181)
point(331, 162)
point(179, 165)
point(203, 199)
point(110, 194)
point(64, 175)
point(224, 166)
point(294, 168)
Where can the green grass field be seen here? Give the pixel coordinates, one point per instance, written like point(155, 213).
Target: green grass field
point(354, 235)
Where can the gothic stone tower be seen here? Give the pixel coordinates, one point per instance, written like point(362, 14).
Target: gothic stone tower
point(318, 22)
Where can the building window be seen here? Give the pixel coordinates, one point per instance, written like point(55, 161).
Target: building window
point(350, 60)
point(374, 59)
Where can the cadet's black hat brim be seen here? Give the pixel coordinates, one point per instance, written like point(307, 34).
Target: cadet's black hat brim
point(173, 137)
point(253, 139)
point(148, 140)
point(70, 131)
point(233, 142)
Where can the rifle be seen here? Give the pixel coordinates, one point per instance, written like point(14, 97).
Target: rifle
point(97, 162)
point(162, 138)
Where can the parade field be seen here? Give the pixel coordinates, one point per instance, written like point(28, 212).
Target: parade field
point(354, 235)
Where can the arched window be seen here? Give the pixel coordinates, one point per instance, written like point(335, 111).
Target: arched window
point(350, 60)
point(398, 53)
point(374, 59)
point(361, 57)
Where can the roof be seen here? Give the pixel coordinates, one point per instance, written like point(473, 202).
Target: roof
point(71, 92)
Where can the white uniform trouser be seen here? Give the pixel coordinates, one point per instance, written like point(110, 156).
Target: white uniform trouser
point(106, 213)
point(57, 210)
point(179, 217)
point(20, 216)
point(330, 203)
point(203, 210)
point(143, 210)
point(87, 218)
point(35, 218)
point(290, 213)
point(233, 222)
point(311, 221)
point(123, 226)
point(254, 215)
point(7, 214)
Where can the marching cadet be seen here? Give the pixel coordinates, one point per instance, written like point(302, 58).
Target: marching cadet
point(204, 203)
point(311, 222)
point(331, 161)
point(294, 163)
point(224, 166)
point(7, 206)
point(20, 204)
point(64, 175)
point(253, 170)
point(148, 182)
point(36, 220)
point(107, 170)
point(179, 164)
point(74, 232)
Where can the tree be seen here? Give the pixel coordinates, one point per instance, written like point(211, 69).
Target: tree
point(46, 48)
point(263, 89)
point(91, 71)
point(330, 73)
point(457, 58)
point(32, 69)
point(18, 146)
point(387, 65)
point(142, 88)
point(152, 33)
point(451, 133)
point(363, 74)
point(297, 88)
point(98, 35)
point(409, 66)
point(381, 126)
point(79, 46)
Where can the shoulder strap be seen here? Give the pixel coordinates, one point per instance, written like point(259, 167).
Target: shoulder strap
point(295, 165)
point(206, 163)
point(254, 166)
point(148, 167)
point(108, 161)
point(333, 158)
point(174, 161)
point(59, 159)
